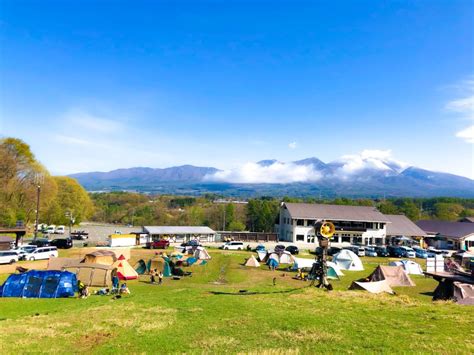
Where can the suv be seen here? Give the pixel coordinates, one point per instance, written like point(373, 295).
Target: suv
point(381, 251)
point(60, 230)
point(40, 242)
point(421, 253)
point(293, 249)
point(43, 253)
point(62, 243)
point(158, 244)
point(8, 256)
point(370, 251)
point(233, 246)
point(395, 251)
point(79, 235)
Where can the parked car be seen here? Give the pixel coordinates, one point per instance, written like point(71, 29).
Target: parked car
point(233, 246)
point(279, 247)
point(43, 253)
point(79, 235)
point(40, 242)
point(8, 256)
point(63, 243)
point(293, 249)
point(158, 244)
point(421, 253)
point(24, 250)
point(381, 251)
point(370, 251)
point(260, 247)
point(395, 251)
point(60, 230)
point(357, 250)
point(408, 252)
point(51, 229)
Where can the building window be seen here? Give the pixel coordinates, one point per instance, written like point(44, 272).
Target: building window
point(311, 238)
point(300, 238)
point(300, 222)
point(345, 238)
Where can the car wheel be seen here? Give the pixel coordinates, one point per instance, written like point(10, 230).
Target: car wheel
point(239, 248)
point(226, 248)
point(12, 261)
point(32, 258)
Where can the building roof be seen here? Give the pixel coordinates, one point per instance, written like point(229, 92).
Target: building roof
point(455, 230)
point(177, 230)
point(467, 220)
point(402, 226)
point(335, 212)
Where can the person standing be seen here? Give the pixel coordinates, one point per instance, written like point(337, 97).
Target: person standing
point(115, 283)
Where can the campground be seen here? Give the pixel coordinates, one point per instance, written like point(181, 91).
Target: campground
point(207, 312)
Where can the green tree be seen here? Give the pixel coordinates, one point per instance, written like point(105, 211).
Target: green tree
point(448, 211)
point(236, 226)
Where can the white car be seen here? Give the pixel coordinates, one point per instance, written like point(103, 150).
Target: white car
point(51, 229)
point(233, 246)
point(409, 252)
point(43, 253)
point(8, 256)
point(60, 230)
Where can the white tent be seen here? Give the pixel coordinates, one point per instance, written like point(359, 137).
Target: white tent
point(347, 260)
point(261, 255)
point(283, 257)
point(252, 262)
point(409, 266)
point(302, 262)
point(201, 254)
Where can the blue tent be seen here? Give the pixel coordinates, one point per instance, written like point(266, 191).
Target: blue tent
point(40, 284)
point(272, 263)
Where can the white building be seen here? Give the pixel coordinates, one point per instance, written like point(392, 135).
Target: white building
point(180, 233)
point(354, 224)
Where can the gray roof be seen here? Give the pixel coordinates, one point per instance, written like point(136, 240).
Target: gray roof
point(177, 230)
point(402, 226)
point(467, 220)
point(335, 212)
point(455, 230)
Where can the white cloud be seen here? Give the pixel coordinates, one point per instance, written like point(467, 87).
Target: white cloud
point(368, 160)
point(465, 108)
point(277, 173)
point(467, 134)
point(84, 120)
point(73, 141)
point(292, 145)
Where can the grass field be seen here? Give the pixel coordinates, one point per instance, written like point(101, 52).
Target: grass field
point(206, 313)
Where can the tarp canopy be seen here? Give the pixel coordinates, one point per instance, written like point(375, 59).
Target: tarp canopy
point(124, 270)
point(409, 266)
point(348, 260)
point(40, 284)
point(105, 257)
point(464, 293)
point(97, 275)
point(372, 287)
point(252, 262)
point(394, 275)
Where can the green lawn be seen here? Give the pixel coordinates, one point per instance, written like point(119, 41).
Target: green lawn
point(206, 313)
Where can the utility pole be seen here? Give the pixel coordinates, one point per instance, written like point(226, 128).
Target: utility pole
point(71, 218)
point(38, 181)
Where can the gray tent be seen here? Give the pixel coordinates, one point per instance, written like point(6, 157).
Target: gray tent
point(372, 287)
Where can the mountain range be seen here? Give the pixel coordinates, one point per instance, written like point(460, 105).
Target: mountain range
point(350, 176)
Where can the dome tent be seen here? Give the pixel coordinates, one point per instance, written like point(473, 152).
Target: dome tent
point(410, 267)
point(348, 260)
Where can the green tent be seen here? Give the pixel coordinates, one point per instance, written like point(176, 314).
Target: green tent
point(140, 267)
point(332, 274)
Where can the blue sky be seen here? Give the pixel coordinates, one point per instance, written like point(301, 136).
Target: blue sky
point(98, 85)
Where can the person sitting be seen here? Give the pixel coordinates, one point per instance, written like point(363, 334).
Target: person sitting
point(82, 288)
point(124, 289)
point(102, 292)
point(152, 277)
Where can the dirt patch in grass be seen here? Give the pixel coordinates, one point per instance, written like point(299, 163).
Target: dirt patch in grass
point(213, 342)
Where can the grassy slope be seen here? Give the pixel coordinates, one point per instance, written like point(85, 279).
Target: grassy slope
point(185, 316)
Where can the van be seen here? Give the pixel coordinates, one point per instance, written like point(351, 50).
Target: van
point(43, 253)
point(60, 230)
point(51, 229)
point(233, 246)
point(408, 252)
point(8, 257)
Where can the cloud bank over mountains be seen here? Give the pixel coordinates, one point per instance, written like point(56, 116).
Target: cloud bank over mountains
point(363, 165)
